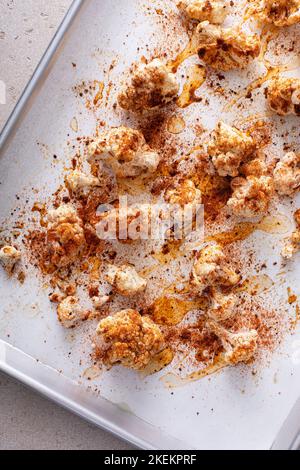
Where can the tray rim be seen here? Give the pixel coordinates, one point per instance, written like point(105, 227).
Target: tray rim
point(106, 415)
point(44, 64)
point(9, 129)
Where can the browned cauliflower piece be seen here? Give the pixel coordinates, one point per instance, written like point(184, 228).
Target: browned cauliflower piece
point(292, 244)
point(9, 257)
point(222, 305)
point(130, 339)
point(226, 49)
point(251, 196)
point(65, 236)
point(126, 151)
point(152, 85)
point(70, 314)
point(184, 193)
point(214, 11)
point(256, 167)
point(287, 174)
point(125, 280)
point(100, 301)
point(228, 148)
point(80, 183)
point(239, 347)
point(283, 95)
point(278, 12)
point(212, 269)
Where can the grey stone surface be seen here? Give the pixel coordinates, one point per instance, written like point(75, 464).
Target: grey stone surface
point(28, 421)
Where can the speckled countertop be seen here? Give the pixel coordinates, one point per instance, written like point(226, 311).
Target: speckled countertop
point(28, 421)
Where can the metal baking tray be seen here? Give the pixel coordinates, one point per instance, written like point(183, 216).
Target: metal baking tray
point(229, 410)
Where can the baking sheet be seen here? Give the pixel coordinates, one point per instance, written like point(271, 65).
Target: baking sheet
point(233, 409)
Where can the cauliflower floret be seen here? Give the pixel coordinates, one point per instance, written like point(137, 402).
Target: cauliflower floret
point(81, 184)
point(251, 196)
point(226, 49)
point(70, 314)
point(152, 85)
point(239, 347)
point(287, 174)
point(256, 167)
point(283, 95)
point(228, 148)
point(130, 339)
point(292, 244)
point(214, 11)
point(65, 236)
point(184, 193)
point(222, 306)
point(99, 302)
point(9, 257)
point(279, 12)
point(63, 214)
point(125, 280)
point(211, 269)
point(126, 151)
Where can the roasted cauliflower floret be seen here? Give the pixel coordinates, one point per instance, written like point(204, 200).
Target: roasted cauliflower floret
point(228, 148)
point(212, 269)
point(9, 257)
point(251, 196)
point(283, 95)
point(239, 347)
point(184, 193)
point(125, 280)
point(152, 85)
point(278, 12)
point(130, 339)
point(226, 49)
point(222, 305)
point(292, 244)
point(214, 11)
point(70, 314)
point(65, 236)
point(126, 151)
point(256, 167)
point(81, 184)
point(287, 174)
point(100, 301)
